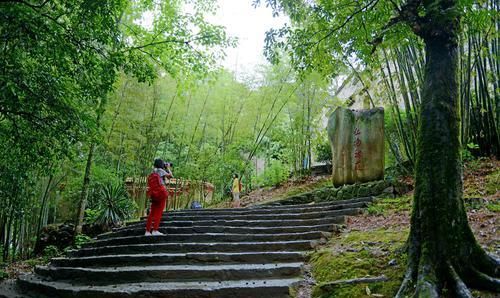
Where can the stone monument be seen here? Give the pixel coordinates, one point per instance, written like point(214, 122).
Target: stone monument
point(357, 140)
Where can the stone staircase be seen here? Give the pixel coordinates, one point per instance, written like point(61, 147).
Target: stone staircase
point(249, 252)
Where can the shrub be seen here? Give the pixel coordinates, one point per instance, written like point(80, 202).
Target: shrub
point(467, 151)
point(324, 152)
point(50, 252)
point(113, 204)
point(274, 174)
point(91, 215)
point(3, 275)
point(81, 239)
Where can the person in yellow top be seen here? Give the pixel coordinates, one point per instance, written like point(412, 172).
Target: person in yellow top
point(235, 190)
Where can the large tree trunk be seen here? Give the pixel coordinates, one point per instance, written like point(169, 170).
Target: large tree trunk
point(443, 252)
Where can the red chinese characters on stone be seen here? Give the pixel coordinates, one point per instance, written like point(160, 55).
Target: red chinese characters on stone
point(358, 154)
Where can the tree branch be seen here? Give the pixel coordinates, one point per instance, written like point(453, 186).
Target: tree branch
point(157, 43)
point(370, 4)
point(408, 14)
point(34, 6)
point(165, 41)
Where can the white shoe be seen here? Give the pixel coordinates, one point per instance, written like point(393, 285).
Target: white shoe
point(147, 233)
point(156, 233)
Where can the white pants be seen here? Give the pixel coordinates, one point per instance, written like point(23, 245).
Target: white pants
point(236, 196)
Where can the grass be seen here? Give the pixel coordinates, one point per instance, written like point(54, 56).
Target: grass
point(493, 183)
point(493, 206)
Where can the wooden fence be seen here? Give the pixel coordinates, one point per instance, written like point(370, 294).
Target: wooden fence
point(181, 193)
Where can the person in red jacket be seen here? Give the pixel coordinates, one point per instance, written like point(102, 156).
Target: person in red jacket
point(158, 194)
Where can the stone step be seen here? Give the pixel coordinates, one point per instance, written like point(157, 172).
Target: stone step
point(282, 216)
point(215, 237)
point(276, 205)
point(247, 252)
point(139, 230)
point(246, 223)
point(276, 210)
point(194, 258)
point(169, 273)
point(296, 245)
point(249, 217)
point(276, 288)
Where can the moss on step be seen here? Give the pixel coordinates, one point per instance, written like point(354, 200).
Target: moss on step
point(387, 206)
point(361, 254)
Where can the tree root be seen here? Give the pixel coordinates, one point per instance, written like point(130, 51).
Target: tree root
point(406, 284)
point(426, 282)
point(457, 285)
point(488, 263)
point(427, 288)
point(484, 281)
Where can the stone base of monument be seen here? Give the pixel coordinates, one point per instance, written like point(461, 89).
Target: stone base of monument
point(383, 188)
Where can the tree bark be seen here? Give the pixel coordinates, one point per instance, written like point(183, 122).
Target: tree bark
point(86, 176)
point(85, 190)
point(442, 249)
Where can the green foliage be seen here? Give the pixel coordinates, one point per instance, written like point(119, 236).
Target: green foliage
point(375, 209)
point(91, 215)
point(324, 152)
point(493, 206)
point(274, 174)
point(213, 128)
point(113, 206)
point(81, 239)
point(60, 63)
point(3, 275)
point(50, 252)
point(466, 151)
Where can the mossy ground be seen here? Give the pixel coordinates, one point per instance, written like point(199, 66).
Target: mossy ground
point(373, 240)
point(360, 254)
point(482, 179)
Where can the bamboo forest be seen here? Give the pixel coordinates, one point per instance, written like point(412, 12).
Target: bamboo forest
point(249, 148)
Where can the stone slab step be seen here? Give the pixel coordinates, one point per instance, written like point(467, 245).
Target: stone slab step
point(170, 273)
point(291, 209)
point(277, 206)
point(247, 252)
point(276, 288)
point(246, 223)
point(278, 216)
point(260, 257)
point(139, 230)
point(295, 245)
point(215, 237)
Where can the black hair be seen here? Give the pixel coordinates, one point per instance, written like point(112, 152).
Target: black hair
point(235, 175)
point(160, 164)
